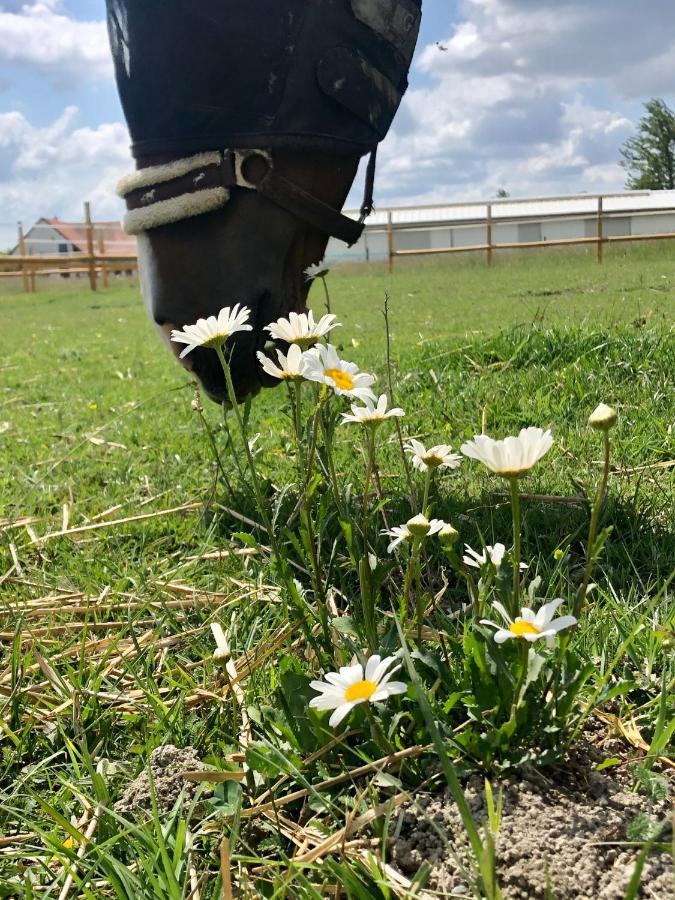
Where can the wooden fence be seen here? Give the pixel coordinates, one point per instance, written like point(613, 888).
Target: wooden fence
point(97, 262)
point(599, 240)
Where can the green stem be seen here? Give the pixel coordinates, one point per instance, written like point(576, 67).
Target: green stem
point(297, 419)
point(214, 450)
point(515, 511)
point(307, 514)
point(328, 443)
point(366, 488)
point(524, 657)
point(262, 508)
point(427, 485)
point(407, 584)
point(379, 737)
point(593, 528)
point(315, 433)
point(327, 295)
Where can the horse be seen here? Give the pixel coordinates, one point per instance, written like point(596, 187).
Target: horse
point(248, 122)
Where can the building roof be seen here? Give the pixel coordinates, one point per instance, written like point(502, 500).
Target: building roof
point(115, 241)
point(513, 209)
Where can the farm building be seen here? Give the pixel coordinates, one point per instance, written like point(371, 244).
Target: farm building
point(510, 222)
point(50, 236)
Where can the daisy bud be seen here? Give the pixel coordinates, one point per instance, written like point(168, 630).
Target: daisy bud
point(448, 535)
point(222, 653)
point(197, 402)
point(221, 656)
point(603, 417)
point(418, 526)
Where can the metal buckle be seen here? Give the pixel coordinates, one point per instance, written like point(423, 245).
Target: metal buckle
point(240, 158)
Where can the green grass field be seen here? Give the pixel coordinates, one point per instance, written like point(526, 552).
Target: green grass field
point(106, 650)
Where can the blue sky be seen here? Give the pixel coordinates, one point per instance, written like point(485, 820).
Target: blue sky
point(535, 96)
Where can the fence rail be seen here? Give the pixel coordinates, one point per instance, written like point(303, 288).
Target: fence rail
point(489, 246)
point(99, 262)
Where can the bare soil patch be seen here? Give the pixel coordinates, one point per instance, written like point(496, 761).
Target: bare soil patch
point(167, 767)
point(564, 834)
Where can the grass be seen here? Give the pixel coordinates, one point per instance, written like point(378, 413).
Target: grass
point(106, 646)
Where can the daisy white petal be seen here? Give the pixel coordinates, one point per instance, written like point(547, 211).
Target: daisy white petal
point(399, 533)
point(291, 366)
point(389, 690)
point(512, 456)
point(372, 666)
point(372, 414)
point(325, 366)
point(340, 712)
point(503, 635)
point(214, 331)
point(438, 457)
point(546, 613)
point(563, 622)
point(530, 626)
point(357, 684)
point(302, 329)
point(316, 270)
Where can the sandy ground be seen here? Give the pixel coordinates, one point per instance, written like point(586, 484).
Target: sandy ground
point(562, 835)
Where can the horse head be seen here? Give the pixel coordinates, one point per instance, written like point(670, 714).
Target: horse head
point(248, 122)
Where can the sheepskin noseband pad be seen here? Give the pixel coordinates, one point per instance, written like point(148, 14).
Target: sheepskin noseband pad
point(162, 195)
point(197, 75)
point(183, 188)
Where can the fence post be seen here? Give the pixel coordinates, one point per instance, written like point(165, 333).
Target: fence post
point(390, 241)
point(601, 235)
point(31, 275)
point(90, 246)
point(488, 228)
point(22, 252)
point(101, 254)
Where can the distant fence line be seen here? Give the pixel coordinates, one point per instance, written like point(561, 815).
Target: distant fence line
point(378, 242)
point(599, 240)
point(98, 263)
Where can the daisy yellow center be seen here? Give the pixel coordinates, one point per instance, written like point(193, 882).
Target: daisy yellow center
point(361, 690)
point(342, 380)
point(217, 340)
point(521, 628)
point(305, 342)
point(432, 460)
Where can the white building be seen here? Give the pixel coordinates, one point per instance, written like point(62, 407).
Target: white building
point(512, 222)
point(52, 236)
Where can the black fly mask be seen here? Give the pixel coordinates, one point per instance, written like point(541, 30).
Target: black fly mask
point(247, 121)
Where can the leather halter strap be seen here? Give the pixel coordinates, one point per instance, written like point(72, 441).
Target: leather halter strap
point(161, 195)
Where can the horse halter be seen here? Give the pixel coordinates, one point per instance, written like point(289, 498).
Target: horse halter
point(164, 194)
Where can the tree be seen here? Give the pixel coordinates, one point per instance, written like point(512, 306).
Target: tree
point(502, 193)
point(649, 156)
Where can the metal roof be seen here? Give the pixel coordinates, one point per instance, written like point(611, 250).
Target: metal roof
point(525, 208)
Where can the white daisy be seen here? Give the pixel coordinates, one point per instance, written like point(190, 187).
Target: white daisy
point(419, 526)
point(214, 331)
point(326, 367)
point(494, 554)
point(433, 458)
point(301, 329)
point(343, 690)
point(513, 456)
point(316, 270)
point(530, 625)
point(291, 367)
point(372, 414)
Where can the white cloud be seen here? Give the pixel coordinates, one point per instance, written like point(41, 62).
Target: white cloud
point(529, 95)
point(52, 170)
point(40, 34)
